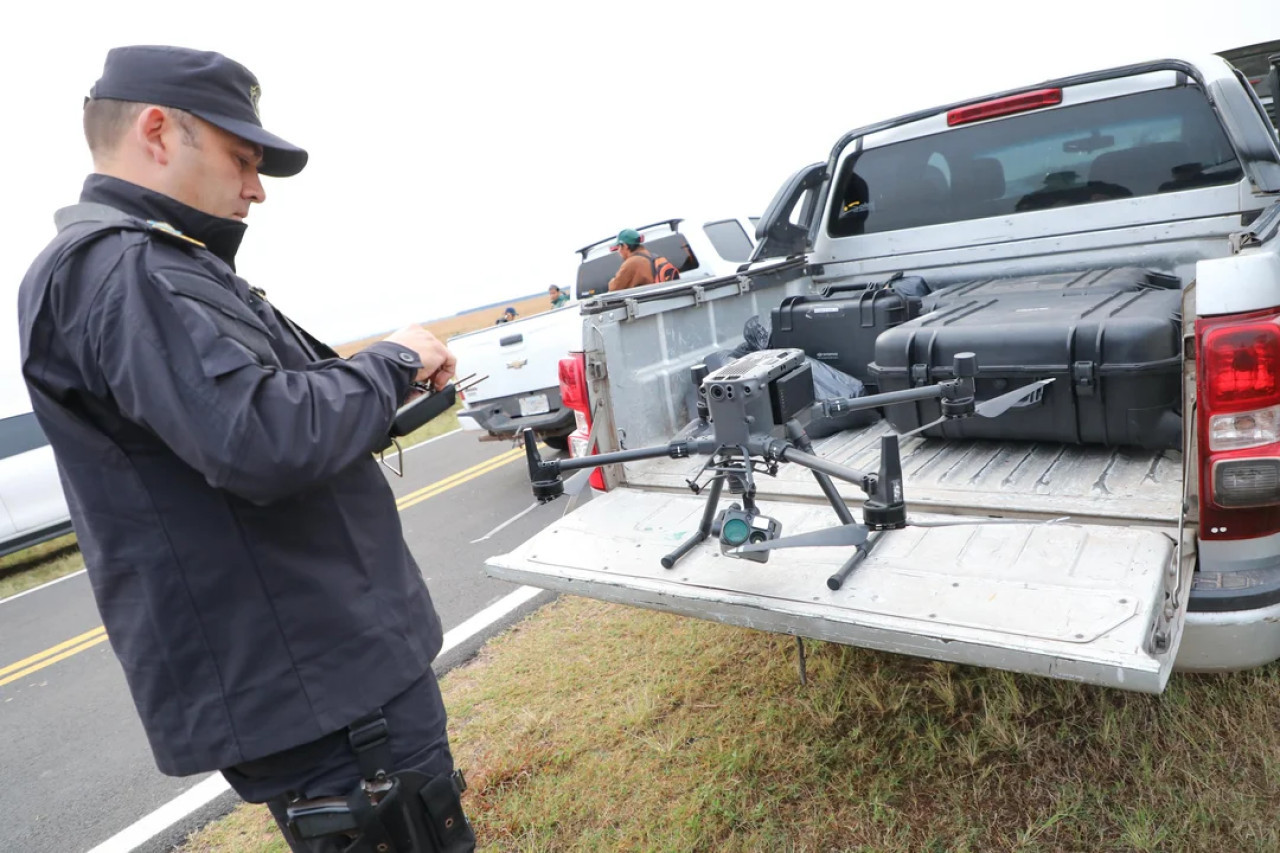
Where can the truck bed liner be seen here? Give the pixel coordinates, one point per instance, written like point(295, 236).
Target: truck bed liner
point(1089, 483)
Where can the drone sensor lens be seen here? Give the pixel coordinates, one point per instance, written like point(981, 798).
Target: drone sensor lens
point(735, 531)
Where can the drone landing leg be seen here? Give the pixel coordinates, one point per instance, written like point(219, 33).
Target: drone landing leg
point(704, 528)
point(864, 550)
point(801, 439)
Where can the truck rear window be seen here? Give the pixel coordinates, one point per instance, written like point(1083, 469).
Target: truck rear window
point(594, 274)
point(729, 240)
point(19, 434)
point(1134, 145)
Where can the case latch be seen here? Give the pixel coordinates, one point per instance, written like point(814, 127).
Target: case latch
point(1084, 375)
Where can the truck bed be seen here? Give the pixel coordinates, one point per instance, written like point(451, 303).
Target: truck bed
point(1023, 479)
point(1098, 598)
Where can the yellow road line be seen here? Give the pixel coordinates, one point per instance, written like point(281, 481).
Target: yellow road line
point(460, 477)
point(52, 651)
point(23, 673)
point(89, 639)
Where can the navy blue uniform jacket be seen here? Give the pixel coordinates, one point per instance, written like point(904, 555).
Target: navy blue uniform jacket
point(243, 545)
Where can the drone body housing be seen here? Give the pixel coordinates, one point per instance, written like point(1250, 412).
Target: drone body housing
point(757, 393)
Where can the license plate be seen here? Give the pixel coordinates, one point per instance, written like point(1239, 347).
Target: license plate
point(534, 404)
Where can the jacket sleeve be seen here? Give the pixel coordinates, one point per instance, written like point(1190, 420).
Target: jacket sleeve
point(208, 384)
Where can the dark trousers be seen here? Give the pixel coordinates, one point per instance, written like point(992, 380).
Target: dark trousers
point(327, 767)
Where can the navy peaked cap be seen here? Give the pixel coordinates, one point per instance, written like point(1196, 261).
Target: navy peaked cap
point(206, 84)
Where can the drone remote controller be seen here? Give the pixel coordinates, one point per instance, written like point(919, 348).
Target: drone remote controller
point(425, 407)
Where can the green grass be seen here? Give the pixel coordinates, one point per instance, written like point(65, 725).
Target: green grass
point(596, 727)
point(39, 564)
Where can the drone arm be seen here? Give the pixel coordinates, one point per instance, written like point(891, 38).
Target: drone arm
point(839, 405)
point(544, 474)
point(674, 450)
point(956, 394)
point(785, 451)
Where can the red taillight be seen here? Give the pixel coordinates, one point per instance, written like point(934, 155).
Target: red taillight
point(1005, 106)
point(573, 382)
point(575, 395)
point(1238, 388)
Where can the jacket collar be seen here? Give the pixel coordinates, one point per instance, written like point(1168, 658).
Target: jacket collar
point(220, 234)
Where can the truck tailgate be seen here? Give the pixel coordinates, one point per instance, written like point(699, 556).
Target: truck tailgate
point(1074, 601)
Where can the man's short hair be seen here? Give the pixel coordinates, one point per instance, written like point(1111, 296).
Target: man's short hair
point(106, 120)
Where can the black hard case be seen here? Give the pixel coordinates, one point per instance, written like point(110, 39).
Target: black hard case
point(841, 326)
point(1066, 285)
point(1115, 359)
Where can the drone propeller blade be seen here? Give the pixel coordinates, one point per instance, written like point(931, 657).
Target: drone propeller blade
point(576, 483)
point(997, 406)
point(847, 535)
point(510, 521)
point(574, 486)
point(977, 521)
point(920, 429)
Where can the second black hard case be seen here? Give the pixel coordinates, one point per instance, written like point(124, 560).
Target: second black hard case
point(840, 327)
point(1115, 359)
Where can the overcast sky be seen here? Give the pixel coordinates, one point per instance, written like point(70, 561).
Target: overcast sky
point(461, 153)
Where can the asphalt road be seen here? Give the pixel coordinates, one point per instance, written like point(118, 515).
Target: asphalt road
point(75, 768)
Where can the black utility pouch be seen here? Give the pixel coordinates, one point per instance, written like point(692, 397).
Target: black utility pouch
point(442, 798)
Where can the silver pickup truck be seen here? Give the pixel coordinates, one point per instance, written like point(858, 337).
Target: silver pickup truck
point(1169, 558)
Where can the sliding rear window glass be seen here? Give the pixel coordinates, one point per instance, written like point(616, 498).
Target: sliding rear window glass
point(20, 434)
point(1136, 145)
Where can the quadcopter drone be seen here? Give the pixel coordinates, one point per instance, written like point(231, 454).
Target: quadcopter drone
point(754, 406)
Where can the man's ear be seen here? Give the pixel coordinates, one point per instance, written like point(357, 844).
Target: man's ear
point(153, 132)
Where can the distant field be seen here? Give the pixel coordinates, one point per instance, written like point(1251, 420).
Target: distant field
point(457, 325)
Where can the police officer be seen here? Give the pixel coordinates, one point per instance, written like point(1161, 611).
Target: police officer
point(244, 548)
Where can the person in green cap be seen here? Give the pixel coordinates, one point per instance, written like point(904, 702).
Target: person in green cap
point(639, 266)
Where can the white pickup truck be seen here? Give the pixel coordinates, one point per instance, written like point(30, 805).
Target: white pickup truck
point(521, 358)
point(33, 508)
point(1170, 558)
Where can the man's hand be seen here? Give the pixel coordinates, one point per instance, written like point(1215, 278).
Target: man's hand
point(438, 364)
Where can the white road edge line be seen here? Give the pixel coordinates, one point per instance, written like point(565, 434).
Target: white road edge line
point(500, 608)
point(214, 785)
point(436, 438)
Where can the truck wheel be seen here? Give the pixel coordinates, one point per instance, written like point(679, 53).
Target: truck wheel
point(556, 442)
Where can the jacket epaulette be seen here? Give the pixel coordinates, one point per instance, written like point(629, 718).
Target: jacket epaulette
point(158, 227)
